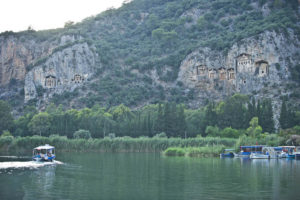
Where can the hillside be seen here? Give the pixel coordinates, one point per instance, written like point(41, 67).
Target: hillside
point(186, 51)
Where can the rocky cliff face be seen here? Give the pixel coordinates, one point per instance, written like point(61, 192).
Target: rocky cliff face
point(258, 66)
point(16, 54)
point(62, 71)
point(248, 67)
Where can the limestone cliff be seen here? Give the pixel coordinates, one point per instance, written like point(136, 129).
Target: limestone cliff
point(248, 67)
point(258, 66)
point(16, 54)
point(62, 71)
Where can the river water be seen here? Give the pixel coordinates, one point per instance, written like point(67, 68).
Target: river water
point(130, 176)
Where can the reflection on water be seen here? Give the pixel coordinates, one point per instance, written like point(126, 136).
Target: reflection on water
point(151, 176)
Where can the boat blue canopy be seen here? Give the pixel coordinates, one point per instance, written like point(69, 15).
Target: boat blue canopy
point(278, 148)
point(258, 146)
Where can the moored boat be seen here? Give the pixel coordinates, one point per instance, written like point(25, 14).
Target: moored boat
point(44, 153)
point(245, 151)
point(228, 153)
point(296, 152)
point(287, 152)
point(267, 153)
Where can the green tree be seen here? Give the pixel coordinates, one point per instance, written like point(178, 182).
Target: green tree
point(230, 133)
point(82, 134)
point(159, 120)
point(283, 119)
point(6, 133)
point(195, 122)
point(233, 112)
point(168, 119)
point(254, 129)
point(40, 123)
point(181, 123)
point(210, 115)
point(6, 118)
point(266, 116)
point(212, 131)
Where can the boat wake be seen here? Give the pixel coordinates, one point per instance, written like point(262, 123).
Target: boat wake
point(28, 164)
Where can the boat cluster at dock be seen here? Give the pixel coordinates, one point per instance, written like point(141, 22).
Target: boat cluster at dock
point(263, 152)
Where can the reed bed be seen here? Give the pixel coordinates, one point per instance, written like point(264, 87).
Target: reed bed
point(207, 151)
point(120, 144)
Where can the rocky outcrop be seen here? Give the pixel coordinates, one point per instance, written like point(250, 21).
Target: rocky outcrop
point(246, 68)
point(259, 66)
point(62, 71)
point(16, 54)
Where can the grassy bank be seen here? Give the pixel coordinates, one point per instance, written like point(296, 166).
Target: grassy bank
point(207, 151)
point(122, 144)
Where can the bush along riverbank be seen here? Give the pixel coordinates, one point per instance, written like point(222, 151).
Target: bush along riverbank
point(207, 151)
point(21, 145)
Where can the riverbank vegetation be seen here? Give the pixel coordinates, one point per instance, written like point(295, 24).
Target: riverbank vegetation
point(238, 119)
point(234, 117)
point(207, 151)
point(196, 147)
point(10, 144)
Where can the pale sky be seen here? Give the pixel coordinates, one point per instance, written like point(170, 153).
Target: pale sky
point(18, 15)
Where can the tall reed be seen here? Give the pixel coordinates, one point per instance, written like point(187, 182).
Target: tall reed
point(119, 144)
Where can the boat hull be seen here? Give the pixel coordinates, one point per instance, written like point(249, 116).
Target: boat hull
point(297, 155)
point(242, 155)
point(259, 156)
point(226, 155)
point(43, 159)
point(290, 156)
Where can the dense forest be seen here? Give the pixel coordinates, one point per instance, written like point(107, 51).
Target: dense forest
point(236, 116)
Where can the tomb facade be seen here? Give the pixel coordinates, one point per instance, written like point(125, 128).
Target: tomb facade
point(231, 74)
point(77, 78)
point(50, 81)
point(263, 67)
point(201, 70)
point(244, 63)
point(212, 73)
point(222, 73)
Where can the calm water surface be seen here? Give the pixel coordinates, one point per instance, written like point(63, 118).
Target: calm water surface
point(131, 176)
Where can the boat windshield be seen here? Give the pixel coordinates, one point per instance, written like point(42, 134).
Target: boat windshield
point(36, 151)
point(251, 148)
point(287, 149)
point(43, 151)
point(51, 151)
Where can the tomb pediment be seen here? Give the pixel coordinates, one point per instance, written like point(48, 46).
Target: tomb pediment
point(50, 81)
point(261, 62)
point(78, 78)
point(201, 70)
